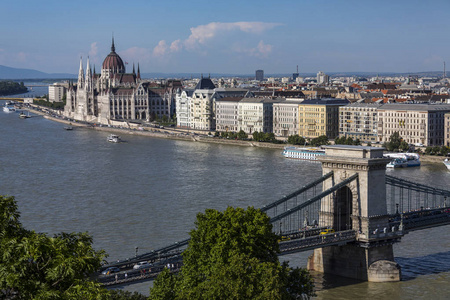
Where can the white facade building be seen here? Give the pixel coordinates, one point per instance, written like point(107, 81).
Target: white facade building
point(227, 114)
point(56, 92)
point(256, 114)
point(285, 117)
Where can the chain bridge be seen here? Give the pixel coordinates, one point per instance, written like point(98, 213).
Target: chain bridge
point(350, 217)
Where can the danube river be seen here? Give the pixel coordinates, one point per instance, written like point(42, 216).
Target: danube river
point(146, 193)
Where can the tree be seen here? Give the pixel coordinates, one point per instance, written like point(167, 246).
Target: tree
point(394, 142)
point(296, 140)
point(404, 146)
point(35, 266)
point(319, 141)
point(232, 255)
point(242, 135)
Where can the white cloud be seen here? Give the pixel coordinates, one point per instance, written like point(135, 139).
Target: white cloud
point(261, 50)
point(176, 46)
point(94, 50)
point(200, 34)
point(136, 54)
point(160, 49)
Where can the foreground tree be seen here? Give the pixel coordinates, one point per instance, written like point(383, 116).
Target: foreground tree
point(232, 255)
point(35, 266)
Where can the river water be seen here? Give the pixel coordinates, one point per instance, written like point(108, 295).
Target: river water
point(146, 193)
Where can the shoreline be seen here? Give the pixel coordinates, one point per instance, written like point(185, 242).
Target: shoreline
point(187, 135)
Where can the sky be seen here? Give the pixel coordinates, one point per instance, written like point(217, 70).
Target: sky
point(228, 37)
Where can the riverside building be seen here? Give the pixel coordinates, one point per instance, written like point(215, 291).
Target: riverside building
point(359, 121)
point(416, 123)
point(114, 96)
point(285, 117)
point(256, 114)
point(319, 117)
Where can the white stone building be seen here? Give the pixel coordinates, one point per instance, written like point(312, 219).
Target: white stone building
point(56, 92)
point(285, 117)
point(118, 96)
point(256, 114)
point(227, 114)
point(416, 123)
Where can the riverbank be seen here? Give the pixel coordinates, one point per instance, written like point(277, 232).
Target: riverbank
point(179, 134)
point(167, 133)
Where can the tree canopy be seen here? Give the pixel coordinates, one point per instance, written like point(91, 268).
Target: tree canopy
point(35, 266)
point(232, 255)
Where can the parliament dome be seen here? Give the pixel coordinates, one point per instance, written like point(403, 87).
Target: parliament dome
point(113, 62)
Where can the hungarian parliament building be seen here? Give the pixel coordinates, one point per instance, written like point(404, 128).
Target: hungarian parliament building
point(114, 95)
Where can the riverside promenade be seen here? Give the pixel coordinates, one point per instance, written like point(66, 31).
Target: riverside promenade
point(176, 133)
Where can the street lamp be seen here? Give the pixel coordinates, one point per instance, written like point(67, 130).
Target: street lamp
point(136, 251)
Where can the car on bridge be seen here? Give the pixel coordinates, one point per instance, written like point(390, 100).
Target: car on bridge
point(110, 270)
point(326, 231)
point(142, 265)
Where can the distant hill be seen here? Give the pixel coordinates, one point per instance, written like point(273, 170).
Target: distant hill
point(16, 73)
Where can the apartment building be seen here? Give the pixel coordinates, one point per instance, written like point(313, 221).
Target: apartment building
point(416, 123)
point(227, 114)
point(285, 117)
point(447, 129)
point(359, 121)
point(319, 117)
point(256, 114)
point(56, 92)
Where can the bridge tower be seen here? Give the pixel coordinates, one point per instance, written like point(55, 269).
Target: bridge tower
point(360, 206)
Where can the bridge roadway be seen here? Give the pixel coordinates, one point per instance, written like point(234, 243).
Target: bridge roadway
point(290, 242)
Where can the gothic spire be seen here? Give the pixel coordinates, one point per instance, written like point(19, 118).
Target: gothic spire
point(133, 69)
point(139, 73)
point(113, 48)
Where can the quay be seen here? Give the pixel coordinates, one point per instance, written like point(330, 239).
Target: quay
point(171, 133)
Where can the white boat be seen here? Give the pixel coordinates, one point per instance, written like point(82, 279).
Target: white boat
point(24, 116)
point(303, 153)
point(447, 163)
point(114, 138)
point(403, 160)
point(8, 108)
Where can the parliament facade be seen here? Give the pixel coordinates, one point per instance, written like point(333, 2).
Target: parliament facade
point(114, 95)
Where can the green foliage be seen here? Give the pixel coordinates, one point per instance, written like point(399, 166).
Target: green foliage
point(232, 255)
point(46, 103)
point(346, 141)
point(8, 87)
point(404, 146)
point(242, 135)
point(125, 295)
point(394, 142)
point(264, 137)
point(319, 141)
point(35, 266)
point(296, 140)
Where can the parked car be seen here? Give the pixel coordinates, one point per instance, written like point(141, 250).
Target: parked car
point(142, 265)
point(111, 270)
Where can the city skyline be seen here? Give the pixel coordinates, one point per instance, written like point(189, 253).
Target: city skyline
point(227, 37)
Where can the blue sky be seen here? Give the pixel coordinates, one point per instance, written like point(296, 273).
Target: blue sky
point(230, 36)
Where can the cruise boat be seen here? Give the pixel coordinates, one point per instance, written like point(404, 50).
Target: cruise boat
point(114, 138)
point(447, 163)
point(8, 108)
point(303, 153)
point(403, 160)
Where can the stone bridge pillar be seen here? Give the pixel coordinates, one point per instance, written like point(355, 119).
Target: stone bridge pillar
point(360, 206)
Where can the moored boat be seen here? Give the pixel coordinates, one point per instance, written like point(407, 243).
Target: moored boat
point(403, 160)
point(113, 138)
point(24, 116)
point(9, 108)
point(447, 163)
point(303, 153)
